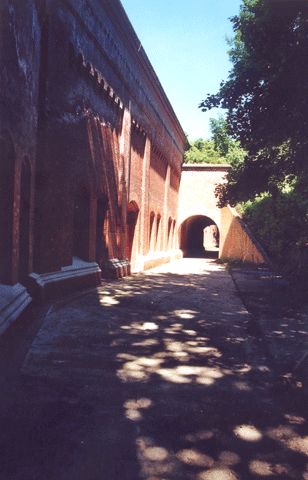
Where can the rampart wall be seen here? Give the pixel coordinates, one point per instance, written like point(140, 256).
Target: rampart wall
point(91, 150)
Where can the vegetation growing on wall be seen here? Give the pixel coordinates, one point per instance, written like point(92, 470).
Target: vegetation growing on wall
point(266, 99)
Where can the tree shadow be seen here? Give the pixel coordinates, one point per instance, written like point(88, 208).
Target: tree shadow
point(153, 378)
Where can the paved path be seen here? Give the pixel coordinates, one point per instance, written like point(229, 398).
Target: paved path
point(153, 378)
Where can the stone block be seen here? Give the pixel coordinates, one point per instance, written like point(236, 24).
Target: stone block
point(79, 275)
point(13, 301)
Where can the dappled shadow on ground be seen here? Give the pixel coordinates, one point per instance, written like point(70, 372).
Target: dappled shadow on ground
point(282, 316)
point(154, 378)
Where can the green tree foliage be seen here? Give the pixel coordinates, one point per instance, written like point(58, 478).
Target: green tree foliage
point(220, 149)
point(202, 151)
point(220, 135)
point(281, 224)
point(266, 95)
point(266, 100)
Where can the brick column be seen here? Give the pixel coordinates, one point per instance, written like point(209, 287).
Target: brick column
point(166, 210)
point(144, 207)
point(125, 155)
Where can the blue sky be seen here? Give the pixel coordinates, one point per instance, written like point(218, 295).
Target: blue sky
point(186, 44)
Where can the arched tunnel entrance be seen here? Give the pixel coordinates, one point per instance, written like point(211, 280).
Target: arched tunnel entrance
point(199, 237)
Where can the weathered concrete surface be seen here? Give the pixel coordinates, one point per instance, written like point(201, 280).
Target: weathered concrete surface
point(154, 378)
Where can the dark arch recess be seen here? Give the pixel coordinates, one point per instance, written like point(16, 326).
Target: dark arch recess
point(132, 217)
point(199, 237)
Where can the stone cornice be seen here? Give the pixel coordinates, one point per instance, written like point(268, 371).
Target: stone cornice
point(78, 60)
point(206, 167)
point(128, 33)
point(122, 68)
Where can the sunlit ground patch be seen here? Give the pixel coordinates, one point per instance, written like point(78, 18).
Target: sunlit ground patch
point(148, 326)
point(136, 327)
point(245, 368)
point(190, 373)
point(191, 333)
point(108, 301)
point(170, 375)
point(138, 403)
point(219, 473)
point(156, 454)
point(155, 460)
point(248, 433)
point(148, 342)
point(289, 438)
point(195, 458)
point(265, 469)
point(186, 314)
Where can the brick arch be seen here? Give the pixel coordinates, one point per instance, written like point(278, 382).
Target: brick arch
point(192, 235)
point(101, 253)
point(159, 231)
point(132, 232)
point(169, 232)
point(82, 206)
point(197, 191)
point(200, 211)
point(152, 231)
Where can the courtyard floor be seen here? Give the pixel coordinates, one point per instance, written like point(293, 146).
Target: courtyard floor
point(161, 376)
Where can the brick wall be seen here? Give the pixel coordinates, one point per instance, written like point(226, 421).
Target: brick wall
point(89, 137)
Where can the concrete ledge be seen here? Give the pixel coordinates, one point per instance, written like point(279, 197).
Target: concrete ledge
point(161, 258)
point(79, 275)
point(13, 301)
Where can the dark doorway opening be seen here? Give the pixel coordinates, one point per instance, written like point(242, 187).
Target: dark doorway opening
point(132, 217)
point(199, 237)
point(101, 245)
point(81, 224)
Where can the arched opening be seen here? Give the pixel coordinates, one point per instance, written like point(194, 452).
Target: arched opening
point(132, 217)
point(151, 232)
point(24, 219)
point(158, 233)
point(81, 224)
point(199, 237)
point(174, 236)
point(101, 227)
point(169, 234)
point(7, 167)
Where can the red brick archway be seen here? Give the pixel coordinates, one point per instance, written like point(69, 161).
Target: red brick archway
point(199, 236)
point(132, 217)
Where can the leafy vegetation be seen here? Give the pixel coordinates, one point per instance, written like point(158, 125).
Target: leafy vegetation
point(266, 99)
point(266, 94)
point(220, 149)
point(281, 224)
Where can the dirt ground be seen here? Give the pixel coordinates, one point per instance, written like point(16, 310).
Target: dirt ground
point(161, 376)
